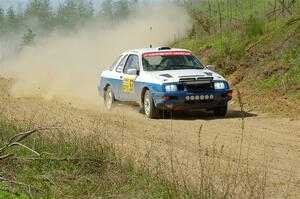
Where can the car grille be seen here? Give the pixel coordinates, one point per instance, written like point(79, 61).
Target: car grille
point(196, 84)
point(198, 88)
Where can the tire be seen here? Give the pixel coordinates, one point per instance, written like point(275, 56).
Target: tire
point(220, 111)
point(148, 106)
point(109, 98)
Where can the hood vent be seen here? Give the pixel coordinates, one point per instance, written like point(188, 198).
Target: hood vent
point(205, 78)
point(208, 74)
point(197, 80)
point(187, 79)
point(166, 75)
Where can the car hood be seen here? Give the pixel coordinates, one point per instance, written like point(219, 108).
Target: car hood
point(168, 76)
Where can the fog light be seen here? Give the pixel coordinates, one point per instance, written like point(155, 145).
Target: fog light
point(192, 97)
point(166, 98)
point(207, 97)
point(197, 97)
point(211, 97)
point(187, 98)
point(202, 97)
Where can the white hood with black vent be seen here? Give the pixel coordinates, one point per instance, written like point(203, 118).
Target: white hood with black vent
point(171, 76)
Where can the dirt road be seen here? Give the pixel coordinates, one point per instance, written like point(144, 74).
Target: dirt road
point(267, 142)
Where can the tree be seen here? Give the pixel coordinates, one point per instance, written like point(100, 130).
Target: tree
point(40, 9)
point(28, 38)
point(85, 10)
point(12, 21)
point(67, 15)
point(122, 9)
point(2, 19)
point(107, 9)
point(133, 4)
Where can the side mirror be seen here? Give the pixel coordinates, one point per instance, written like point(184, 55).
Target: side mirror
point(132, 71)
point(211, 67)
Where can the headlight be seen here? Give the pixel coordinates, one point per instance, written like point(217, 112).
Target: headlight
point(170, 88)
point(219, 85)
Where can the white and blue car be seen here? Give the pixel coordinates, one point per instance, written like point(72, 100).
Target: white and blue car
point(164, 79)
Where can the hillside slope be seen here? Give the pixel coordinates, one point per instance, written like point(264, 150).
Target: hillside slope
point(256, 44)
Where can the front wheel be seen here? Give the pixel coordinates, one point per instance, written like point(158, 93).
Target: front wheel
point(149, 108)
point(220, 111)
point(109, 98)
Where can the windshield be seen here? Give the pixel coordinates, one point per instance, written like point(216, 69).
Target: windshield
point(170, 61)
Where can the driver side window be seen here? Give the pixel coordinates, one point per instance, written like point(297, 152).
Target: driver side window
point(132, 63)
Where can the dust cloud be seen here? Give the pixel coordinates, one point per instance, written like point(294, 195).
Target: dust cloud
point(68, 66)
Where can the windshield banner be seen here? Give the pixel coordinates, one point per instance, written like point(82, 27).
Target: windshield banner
point(176, 53)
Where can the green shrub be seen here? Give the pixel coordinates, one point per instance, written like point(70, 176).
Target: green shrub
point(297, 95)
point(254, 27)
point(238, 48)
point(270, 83)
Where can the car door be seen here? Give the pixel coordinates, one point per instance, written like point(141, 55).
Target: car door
point(130, 73)
point(117, 86)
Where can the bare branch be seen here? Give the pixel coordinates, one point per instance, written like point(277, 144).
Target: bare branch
point(23, 135)
point(284, 7)
point(26, 147)
point(16, 139)
point(61, 159)
point(6, 156)
point(28, 187)
point(12, 181)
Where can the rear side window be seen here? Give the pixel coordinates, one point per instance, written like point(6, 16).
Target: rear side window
point(120, 66)
point(115, 63)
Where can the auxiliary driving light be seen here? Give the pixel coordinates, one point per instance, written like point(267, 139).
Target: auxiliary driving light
point(197, 97)
point(207, 97)
point(187, 98)
point(202, 97)
point(211, 97)
point(192, 97)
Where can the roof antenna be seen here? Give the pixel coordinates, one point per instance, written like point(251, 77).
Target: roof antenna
point(150, 36)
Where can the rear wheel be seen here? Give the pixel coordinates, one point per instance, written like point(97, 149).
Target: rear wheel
point(149, 108)
point(220, 111)
point(109, 98)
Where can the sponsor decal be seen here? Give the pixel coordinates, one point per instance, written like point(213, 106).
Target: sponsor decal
point(175, 53)
point(128, 85)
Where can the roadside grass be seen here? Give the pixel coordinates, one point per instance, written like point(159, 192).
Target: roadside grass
point(77, 165)
point(73, 166)
point(287, 77)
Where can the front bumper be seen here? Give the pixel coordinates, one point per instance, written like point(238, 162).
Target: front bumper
point(179, 101)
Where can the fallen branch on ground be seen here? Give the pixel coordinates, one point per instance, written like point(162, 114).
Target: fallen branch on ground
point(62, 159)
point(16, 141)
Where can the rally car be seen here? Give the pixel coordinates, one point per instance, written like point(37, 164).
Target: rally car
point(164, 79)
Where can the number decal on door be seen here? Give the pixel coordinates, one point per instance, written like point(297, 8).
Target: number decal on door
point(128, 85)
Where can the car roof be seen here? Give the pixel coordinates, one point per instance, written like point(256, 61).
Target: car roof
point(153, 50)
